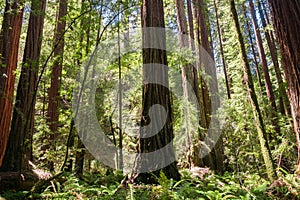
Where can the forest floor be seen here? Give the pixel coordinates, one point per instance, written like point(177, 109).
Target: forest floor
point(192, 186)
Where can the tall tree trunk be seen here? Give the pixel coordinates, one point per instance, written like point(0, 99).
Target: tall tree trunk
point(19, 149)
point(80, 149)
point(191, 25)
point(227, 78)
point(9, 47)
point(120, 94)
point(253, 51)
point(286, 18)
point(210, 96)
point(193, 73)
point(196, 145)
point(265, 69)
point(54, 98)
point(189, 72)
point(157, 92)
point(283, 108)
point(204, 93)
point(262, 135)
point(204, 99)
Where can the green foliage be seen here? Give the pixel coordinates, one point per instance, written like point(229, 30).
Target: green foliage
point(242, 152)
point(245, 177)
point(211, 187)
point(165, 184)
point(13, 195)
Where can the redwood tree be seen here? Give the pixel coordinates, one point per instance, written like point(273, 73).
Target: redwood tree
point(227, 77)
point(209, 91)
point(283, 107)
point(20, 138)
point(286, 19)
point(79, 158)
point(157, 92)
point(263, 60)
point(261, 131)
point(9, 47)
point(251, 43)
point(189, 72)
point(265, 69)
point(53, 105)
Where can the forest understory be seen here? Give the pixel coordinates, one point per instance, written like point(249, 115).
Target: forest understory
point(150, 99)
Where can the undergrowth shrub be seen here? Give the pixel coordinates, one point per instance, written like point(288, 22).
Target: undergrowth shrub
point(243, 186)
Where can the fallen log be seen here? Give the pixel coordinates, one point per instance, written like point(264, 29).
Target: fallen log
point(13, 180)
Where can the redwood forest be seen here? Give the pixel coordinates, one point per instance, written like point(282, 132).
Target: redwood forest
point(150, 99)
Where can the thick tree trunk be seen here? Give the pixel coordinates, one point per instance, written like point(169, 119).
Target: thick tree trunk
point(9, 47)
point(54, 98)
point(286, 18)
point(195, 160)
point(19, 150)
point(265, 69)
point(204, 29)
point(155, 69)
point(262, 135)
point(211, 101)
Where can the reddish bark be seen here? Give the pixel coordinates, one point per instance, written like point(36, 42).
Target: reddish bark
point(260, 127)
point(265, 69)
point(209, 88)
point(9, 47)
point(20, 139)
point(263, 60)
point(253, 51)
point(286, 18)
point(189, 72)
point(54, 97)
point(53, 105)
point(283, 108)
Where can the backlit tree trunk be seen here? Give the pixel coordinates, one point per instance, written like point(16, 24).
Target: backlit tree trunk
point(19, 149)
point(286, 18)
point(262, 135)
point(189, 72)
point(227, 78)
point(265, 69)
point(9, 47)
point(249, 32)
point(283, 108)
